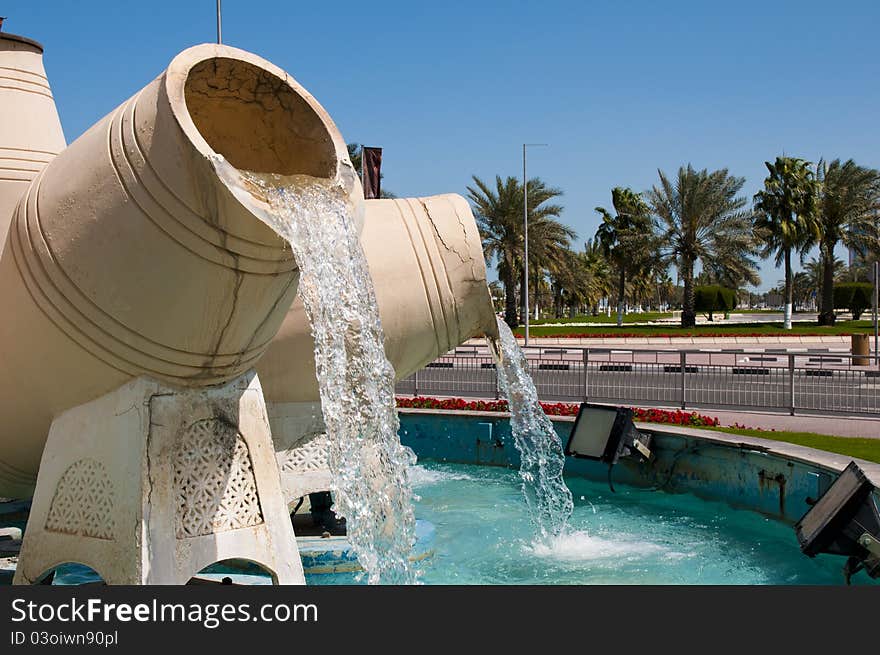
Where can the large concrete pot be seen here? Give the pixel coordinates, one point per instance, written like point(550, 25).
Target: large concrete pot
point(135, 252)
point(427, 265)
point(30, 132)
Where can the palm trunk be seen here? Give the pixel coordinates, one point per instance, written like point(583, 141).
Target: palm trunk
point(510, 300)
point(788, 290)
point(688, 315)
point(621, 291)
point(826, 316)
point(523, 301)
point(557, 301)
point(536, 287)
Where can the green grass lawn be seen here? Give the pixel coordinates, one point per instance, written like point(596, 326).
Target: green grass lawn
point(644, 317)
point(862, 448)
point(721, 328)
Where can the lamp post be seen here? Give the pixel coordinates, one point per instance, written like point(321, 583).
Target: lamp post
point(876, 313)
point(526, 238)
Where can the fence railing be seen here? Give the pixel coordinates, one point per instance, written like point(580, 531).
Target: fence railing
point(779, 380)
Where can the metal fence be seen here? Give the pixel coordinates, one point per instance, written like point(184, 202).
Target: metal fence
point(817, 382)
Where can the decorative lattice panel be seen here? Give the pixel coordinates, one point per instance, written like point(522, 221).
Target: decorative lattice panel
point(308, 454)
point(213, 480)
point(83, 501)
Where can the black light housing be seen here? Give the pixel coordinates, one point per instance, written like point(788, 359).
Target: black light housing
point(606, 434)
point(845, 521)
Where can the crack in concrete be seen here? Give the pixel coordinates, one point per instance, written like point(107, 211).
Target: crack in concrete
point(464, 258)
point(140, 535)
point(239, 280)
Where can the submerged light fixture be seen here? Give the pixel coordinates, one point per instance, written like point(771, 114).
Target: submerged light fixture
point(605, 434)
point(845, 521)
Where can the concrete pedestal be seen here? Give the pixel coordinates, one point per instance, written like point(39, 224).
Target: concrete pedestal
point(150, 484)
point(301, 444)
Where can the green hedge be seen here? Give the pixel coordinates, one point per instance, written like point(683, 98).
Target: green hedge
point(854, 296)
point(714, 298)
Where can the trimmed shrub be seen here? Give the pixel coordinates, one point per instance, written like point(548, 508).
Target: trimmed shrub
point(714, 298)
point(854, 296)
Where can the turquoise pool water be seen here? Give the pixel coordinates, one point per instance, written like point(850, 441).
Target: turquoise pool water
point(482, 535)
point(634, 536)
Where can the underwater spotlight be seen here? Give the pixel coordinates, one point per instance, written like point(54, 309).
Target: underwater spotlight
point(606, 434)
point(845, 521)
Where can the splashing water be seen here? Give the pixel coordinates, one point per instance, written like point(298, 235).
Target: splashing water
point(368, 465)
point(541, 453)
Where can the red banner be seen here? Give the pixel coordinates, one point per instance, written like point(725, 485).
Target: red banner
point(372, 165)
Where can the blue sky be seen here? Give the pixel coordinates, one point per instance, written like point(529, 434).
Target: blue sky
point(451, 89)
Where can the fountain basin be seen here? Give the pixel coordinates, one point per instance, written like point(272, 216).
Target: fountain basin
point(706, 515)
point(744, 472)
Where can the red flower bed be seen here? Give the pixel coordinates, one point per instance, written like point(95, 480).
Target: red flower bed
point(423, 402)
point(673, 417)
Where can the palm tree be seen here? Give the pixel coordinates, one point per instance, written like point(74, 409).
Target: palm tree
point(626, 238)
point(801, 289)
point(496, 214)
point(600, 271)
point(849, 202)
point(548, 249)
point(862, 269)
point(787, 215)
point(496, 291)
point(499, 214)
point(703, 219)
point(665, 289)
point(732, 272)
point(815, 270)
point(575, 284)
point(563, 280)
point(642, 286)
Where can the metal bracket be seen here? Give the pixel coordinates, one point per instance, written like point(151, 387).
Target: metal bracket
point(871, 544)
point(639, 446)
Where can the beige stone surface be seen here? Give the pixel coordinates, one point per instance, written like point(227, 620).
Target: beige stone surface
point(150, 484)
point(300, 440)
point(136, 252)
point(30, 131)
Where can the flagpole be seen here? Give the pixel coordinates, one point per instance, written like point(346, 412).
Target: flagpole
point(526, 238)
point(219, 25)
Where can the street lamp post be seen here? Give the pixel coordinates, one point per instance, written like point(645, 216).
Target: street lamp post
point(876, 313)
point(526, 238)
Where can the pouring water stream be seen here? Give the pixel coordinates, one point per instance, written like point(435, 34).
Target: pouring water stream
point(368, 464)
point(540, 448)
